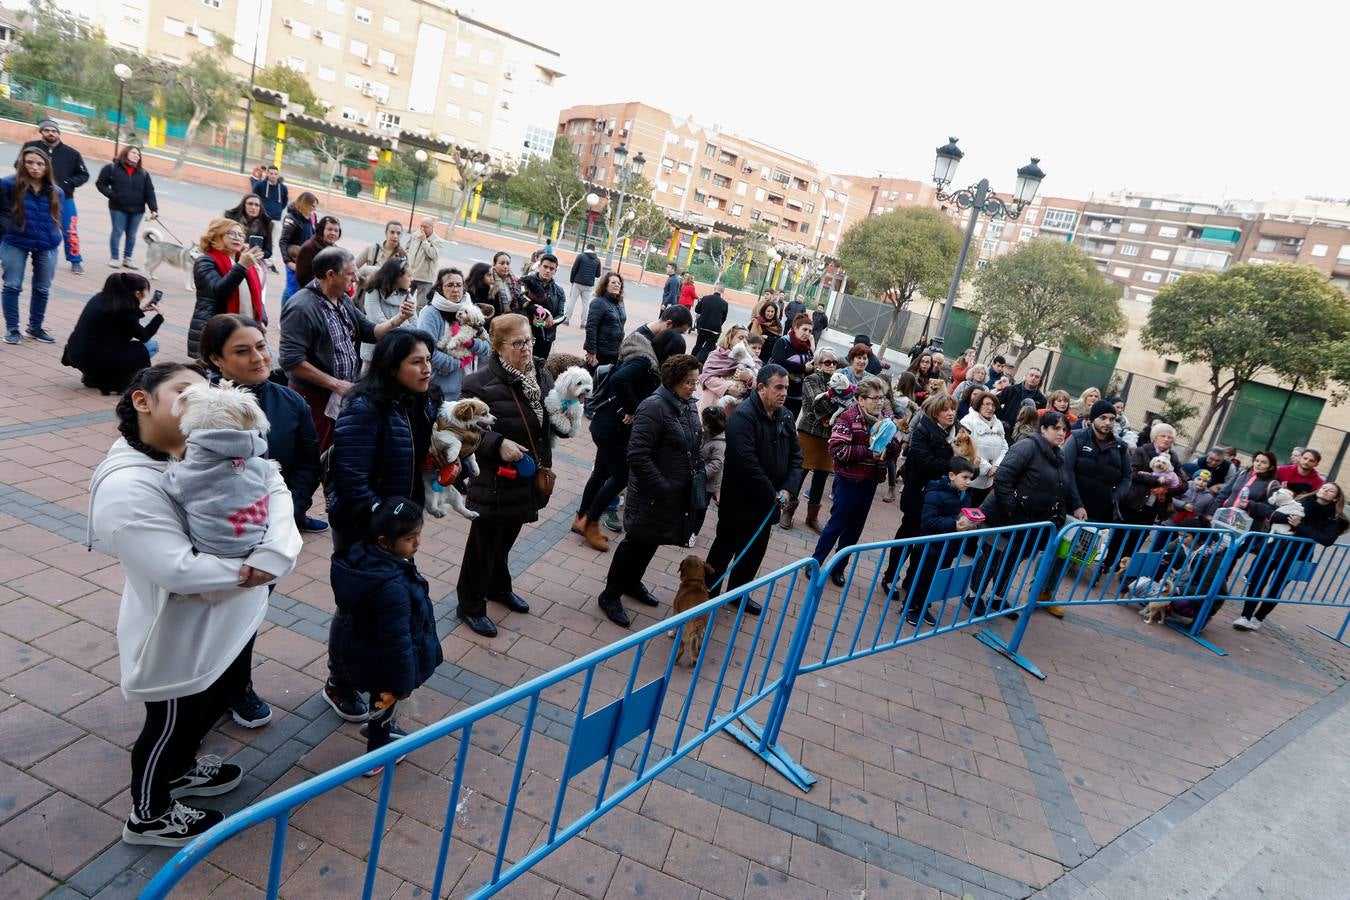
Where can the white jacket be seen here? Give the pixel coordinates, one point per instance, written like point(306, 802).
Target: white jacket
point(990, 442)
point(176, 646)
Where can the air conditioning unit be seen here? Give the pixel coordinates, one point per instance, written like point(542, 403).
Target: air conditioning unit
point(506, 104)
point(286, 22)
point(367, 61)
point(365, 119)
point(190, 30)
point(368, 90)
point(508, 74)
point(318, 34)
point(393, 69)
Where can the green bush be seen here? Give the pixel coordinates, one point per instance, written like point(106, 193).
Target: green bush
point(656, 262)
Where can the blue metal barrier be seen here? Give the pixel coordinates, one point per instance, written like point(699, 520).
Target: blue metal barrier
point(639, 698)
point(950, 582)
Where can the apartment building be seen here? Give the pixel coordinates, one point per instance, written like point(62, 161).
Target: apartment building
point(1307, 232)
point(1050, 217)
point(400, 65)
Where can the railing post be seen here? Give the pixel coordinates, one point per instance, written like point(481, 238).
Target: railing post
point(1047, 562)
point(1226, 569)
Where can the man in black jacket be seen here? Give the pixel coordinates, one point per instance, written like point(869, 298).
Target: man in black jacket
point(545, 304)
point(585, 271)
point(763, 467)
point(1099, 466)
point(712, 315)
point(69, 171)
point(1010, 400)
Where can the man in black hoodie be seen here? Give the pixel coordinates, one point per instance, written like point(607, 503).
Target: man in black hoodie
point(585, 271)
point(69, 171)
point(712, 315)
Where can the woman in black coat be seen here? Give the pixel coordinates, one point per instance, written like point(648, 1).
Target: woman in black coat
point(665, 458)
point(223, 280)
point(109, 344)
point(257, 223)
point(130, 191)
point(605, 320)
point(795, 353)
point(928, 459)
point(506, 494)
point(1323, 521)
point(632, 380)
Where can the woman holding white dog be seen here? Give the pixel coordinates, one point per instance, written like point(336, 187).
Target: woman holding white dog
point(229, 278)
point(727, 372)
point(220, 602)
point(441, 317)
point(666, 484)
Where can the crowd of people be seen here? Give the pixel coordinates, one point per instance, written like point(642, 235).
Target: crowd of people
point(374, 344)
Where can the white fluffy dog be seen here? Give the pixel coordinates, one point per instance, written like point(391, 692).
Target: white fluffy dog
point(567, 400)
point(459, 430)
point(457, 342)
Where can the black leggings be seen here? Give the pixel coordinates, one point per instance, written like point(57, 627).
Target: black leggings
point(173, 730)
point(608, 478)
point(815, 492)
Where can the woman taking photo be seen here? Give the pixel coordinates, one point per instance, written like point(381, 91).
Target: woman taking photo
point(986, 431)
point(439, 317)
point(767, 324)
point(795, 353)
point(129, 190)
point(234, 348)
point(665, 464)
point(605, 320)
point(635, 378)
point(723, 374)
point(813, 434)
point(185, 686)
point(513, 384)
point(229, 278)
point(385, 292)
point(30, 226)
point(109, 344)
point(257, 224)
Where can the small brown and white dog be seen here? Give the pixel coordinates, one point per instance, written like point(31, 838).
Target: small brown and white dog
point(566, 402)
point(694, 575)
point(459, 430)
point(160, 252)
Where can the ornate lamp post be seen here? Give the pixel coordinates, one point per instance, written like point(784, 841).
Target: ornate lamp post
point(623, 174)
point(123, 72)
point(977, 198)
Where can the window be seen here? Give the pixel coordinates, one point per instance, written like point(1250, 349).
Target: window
point(1172, 276)
point(1142, 297)
point(1026, 234)
point(452, 110)
point(487, 57)
point(682, 168)
point(721, 181)
point(363, 15)
point(736, 210)
point(1167, 231)
point(480, 87)
point(704, 173)
point(805, 228)
point(709, 149)
point(207, 37)
point(350, 115)
point(760, 194)
point(391, 25)
point(1318, 250)
point(1059, 219)
point(995, 230)
point(214, 4)
point(1265, 245)
point(677, 190)
point(463, 50)
point(714, 203)
point(1122, 272)
point(1194, 258)
point(296, 63)
point(332, 40)
point(1129, 249)
point(1170, 367)
point(1160, 392)
point(456, 80)
point(667, 164)
point(1153, 277)
point(327, 74)
point(476, 118)
point(987, 248)
point(741, 188)
point(690, 144)
point(175, 27)
point(337, 6)
point(358, 48)
point(389, 121)
point(700, 197)
point(385, 58)
point(352, 81)
point(1138, 228)
point(1343, 254)
point(1030, 216)
point(754, 215)
point(810, 208)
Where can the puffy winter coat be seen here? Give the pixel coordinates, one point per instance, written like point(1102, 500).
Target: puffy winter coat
point(633, 379)
point(497, 495)
point(384, 630)
point(296, 228)
point(942, 503)
point(127, 192)
point(214, 291)
point(108, 347)
point(1032, 485)
point(291, 440)
point(68, 168)
point(991, 442)
point(586, 269)
point(664, 451)
point(39, 230)
point(763, 457)
point(1145, 479)
point(1011, 400)
point(1101, 475)
point(605, 321)
point(378, 450)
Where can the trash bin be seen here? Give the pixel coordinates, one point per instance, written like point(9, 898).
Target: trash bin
point(353, 187)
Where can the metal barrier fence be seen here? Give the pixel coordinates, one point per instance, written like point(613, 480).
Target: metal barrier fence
point(582, 714)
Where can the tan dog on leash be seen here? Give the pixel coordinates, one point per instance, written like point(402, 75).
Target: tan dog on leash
point(694, 575)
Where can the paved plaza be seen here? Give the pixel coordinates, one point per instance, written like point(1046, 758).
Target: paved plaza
point(943, 770)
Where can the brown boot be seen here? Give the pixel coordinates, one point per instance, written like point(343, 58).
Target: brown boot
point(812, 511)
point(594, 537)
point(579, 524)
point(785, 518)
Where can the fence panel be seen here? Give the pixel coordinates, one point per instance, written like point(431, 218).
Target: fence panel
point(585, 737)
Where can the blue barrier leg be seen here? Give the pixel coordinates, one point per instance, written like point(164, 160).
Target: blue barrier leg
point(1226, 570)
point(1338, 635)
point(1010, 649)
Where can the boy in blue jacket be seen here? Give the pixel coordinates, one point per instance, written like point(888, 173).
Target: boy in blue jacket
point(942, 504)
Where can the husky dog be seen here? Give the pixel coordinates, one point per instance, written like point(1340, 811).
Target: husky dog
point(161, 252)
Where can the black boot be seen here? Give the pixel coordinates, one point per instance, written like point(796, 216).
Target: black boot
point(613, 608)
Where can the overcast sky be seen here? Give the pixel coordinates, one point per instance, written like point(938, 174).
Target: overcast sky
point(1240, 99)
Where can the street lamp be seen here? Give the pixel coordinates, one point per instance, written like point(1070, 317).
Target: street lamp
point(421, 157)
point(623, 174)
point(123, 72)
point(978, 198)
point(592, 201)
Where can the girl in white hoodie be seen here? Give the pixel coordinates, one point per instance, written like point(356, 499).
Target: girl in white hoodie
point(188, 657)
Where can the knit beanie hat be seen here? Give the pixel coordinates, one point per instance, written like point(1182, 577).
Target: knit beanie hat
point(1101, 408)
point(49, 123)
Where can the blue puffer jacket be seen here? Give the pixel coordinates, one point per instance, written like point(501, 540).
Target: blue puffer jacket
point(39, 231)
point(384, 631)
point(942, 503)
point(291, 441)
point(376, 455)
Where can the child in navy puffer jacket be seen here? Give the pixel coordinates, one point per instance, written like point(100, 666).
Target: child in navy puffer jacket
point(384, 631)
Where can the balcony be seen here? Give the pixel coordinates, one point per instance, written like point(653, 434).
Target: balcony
point(1098, 226)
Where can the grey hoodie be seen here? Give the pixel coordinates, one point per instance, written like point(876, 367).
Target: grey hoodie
point(221, 484)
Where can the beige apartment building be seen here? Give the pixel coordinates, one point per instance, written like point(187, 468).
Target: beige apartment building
point(399, 65)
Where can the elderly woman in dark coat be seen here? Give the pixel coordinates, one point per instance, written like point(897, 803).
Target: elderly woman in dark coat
point(665, 458)
point(506, 496)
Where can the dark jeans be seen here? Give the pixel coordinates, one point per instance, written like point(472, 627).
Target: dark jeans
point(700, 515)
point(173, 730)
point(630, 562)
point(483, 571)
point(707, 340)
point(815, 492)
point(609, 475)
point(1267, 574)
point(378, 725)
point(848, 514)
point(734, 532)
point(337, 672)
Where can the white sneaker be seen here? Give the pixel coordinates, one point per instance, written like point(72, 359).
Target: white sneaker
point(1242, 623)
point(1254, 624)
point(115, 264)
point(693, 541)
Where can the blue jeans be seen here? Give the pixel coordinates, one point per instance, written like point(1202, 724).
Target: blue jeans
point(128, 223)
point(152, 347)
point(848, 515)
point(70, 230)
point(13, 260)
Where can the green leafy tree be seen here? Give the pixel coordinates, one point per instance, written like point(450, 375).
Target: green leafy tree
point(1176, 411)
point(62, 48)
point(296, 86)
point(548, 187)
point(896, 254)
point(403, 172)
point(203, 90)
point(1047, 293)
point(1278, 320)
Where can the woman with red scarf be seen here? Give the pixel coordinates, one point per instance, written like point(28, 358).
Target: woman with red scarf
point(229, 278)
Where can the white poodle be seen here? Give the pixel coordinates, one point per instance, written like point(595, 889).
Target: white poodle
point(567, 400)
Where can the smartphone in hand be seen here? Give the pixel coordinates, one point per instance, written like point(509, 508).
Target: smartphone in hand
point(255, 240)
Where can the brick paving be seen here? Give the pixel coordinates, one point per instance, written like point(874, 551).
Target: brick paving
point(943, 770)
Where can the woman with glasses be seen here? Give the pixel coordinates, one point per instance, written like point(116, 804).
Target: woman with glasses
point(506, 495)
point(440, 317)
point(813, 433)
point(858, 468)
point(385, 292)
point(229, 278)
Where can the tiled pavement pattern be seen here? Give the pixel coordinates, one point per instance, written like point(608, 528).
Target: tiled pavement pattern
point(943, 770)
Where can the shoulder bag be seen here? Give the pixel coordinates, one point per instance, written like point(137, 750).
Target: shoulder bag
point(544, 477)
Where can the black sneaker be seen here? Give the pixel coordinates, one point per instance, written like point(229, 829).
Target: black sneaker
point(394, 732)
point(77, 268)
point(310, 525)
point(41, 334)
point(251, 711)
point(175, 828)
point(613, 520)
point(347, 704)
point(208, 777)
point(12, 336)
